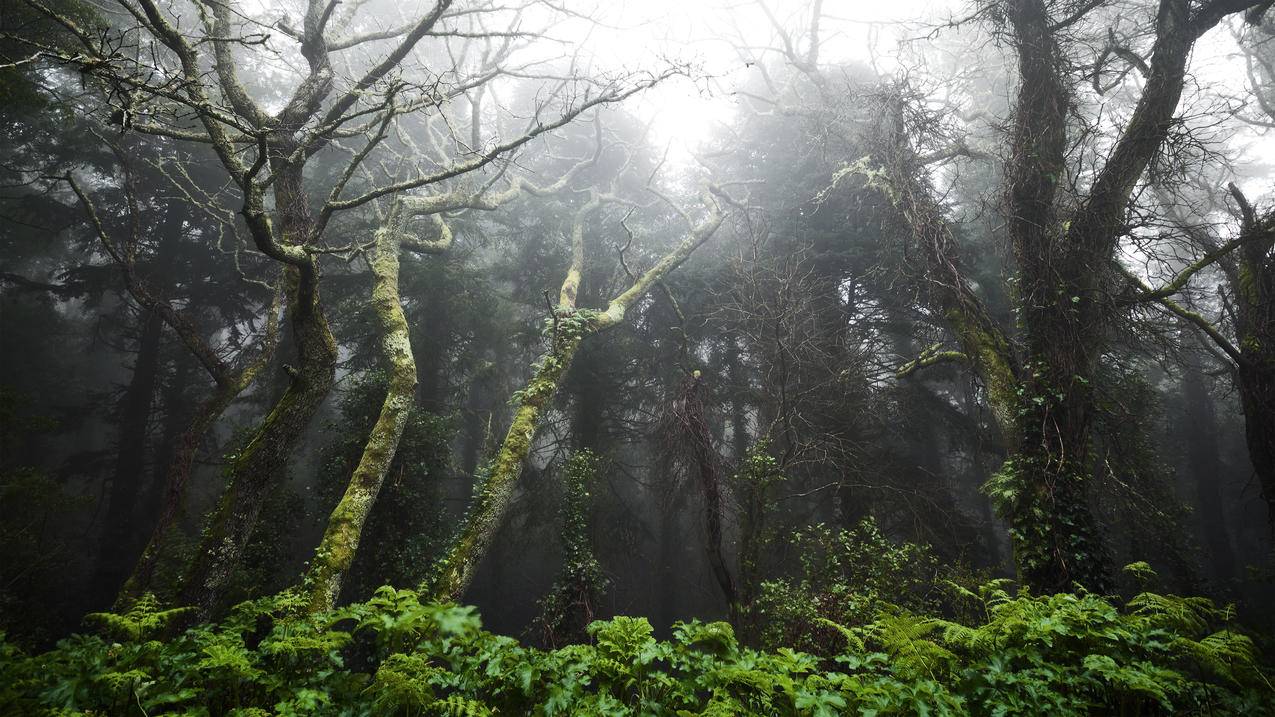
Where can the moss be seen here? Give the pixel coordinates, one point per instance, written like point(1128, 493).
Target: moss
point(456, 570)
point(989, 353)
point(1246, 283)
point(335, 554)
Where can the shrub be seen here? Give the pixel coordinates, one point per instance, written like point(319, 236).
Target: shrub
point(1065, 654)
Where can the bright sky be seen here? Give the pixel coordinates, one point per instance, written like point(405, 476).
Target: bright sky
point(707, 34)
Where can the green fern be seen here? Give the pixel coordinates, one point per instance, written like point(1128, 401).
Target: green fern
point(1064, 654)
point(143, 620)
point(904, 637)
point(457, 706)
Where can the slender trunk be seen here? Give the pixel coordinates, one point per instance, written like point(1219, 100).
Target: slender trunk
point(1254, 290)
point(176, 418)
point(1199, 435)
point(1257, 396)
point(340, 541)
point(166, 496)
point(456, 570)
point(589, 401)
point(989, 523)
point(177, 477)
point(756, 475)
point(130, 462)
point(740, 439)
point(434, 330)
point(693, 427)
point(668, 569)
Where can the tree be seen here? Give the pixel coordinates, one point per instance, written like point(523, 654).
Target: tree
point(270, 153)
point(568, 327)
point(1064, 224)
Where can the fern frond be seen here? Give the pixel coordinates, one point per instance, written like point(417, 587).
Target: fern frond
point(457, 706)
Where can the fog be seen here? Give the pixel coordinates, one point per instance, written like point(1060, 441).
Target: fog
point(684, 310)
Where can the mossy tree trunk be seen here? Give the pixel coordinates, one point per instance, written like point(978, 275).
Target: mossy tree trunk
point(340, 542)
point(1064, 279)
point(455, 571)
point(1055, 535)
point(229, 381)
point(1044, 402)
point(177, 477)
point(495, 492)
point(1253, 287)
point(261, 465)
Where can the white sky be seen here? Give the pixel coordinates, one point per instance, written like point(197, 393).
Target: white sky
point(706, 32)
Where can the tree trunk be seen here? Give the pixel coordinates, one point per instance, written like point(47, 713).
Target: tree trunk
point(130, 463)
point(261, 465)
point(340, 541)
point(434, 330)
point(1254, 289)
point(176, 418)
point(177, 477)
point(492, 498)
point(693, 430)
point(1257, 397)
point(667, 571)
point(1199, 436)
point(1056, 539)
point(570, 327)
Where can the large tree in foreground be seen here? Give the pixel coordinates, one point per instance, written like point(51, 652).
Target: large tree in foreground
point(270, 101)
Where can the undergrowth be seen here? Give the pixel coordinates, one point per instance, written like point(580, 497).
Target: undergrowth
point(1064, 654)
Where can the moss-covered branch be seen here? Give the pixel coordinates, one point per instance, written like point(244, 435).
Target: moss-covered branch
point(931, 356)
point(456, 570)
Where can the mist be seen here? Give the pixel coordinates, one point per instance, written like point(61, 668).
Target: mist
point(885, 350)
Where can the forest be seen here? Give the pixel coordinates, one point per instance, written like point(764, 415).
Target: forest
point(572, 357)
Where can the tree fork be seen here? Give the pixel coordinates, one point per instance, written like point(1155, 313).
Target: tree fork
point(455, 571)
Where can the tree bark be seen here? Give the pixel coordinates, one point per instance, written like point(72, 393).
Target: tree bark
point(455, 571)
point(1253, 286)
point(177, 476)
point(340, 542)
point(1199, 436)
point(130, 462)
point(1056, 538)
point(262, 464)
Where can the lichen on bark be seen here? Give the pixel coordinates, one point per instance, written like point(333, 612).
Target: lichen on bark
point(569, 327)
point(340, 542)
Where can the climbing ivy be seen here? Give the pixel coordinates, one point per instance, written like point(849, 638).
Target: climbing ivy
point(570, 605)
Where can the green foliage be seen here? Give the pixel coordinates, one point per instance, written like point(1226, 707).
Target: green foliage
point(1065, 654)
point(847, 577)
point(569, 607)
point(144, 619)
point(753, 480)
point(36, 553)
point(1044, 501)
